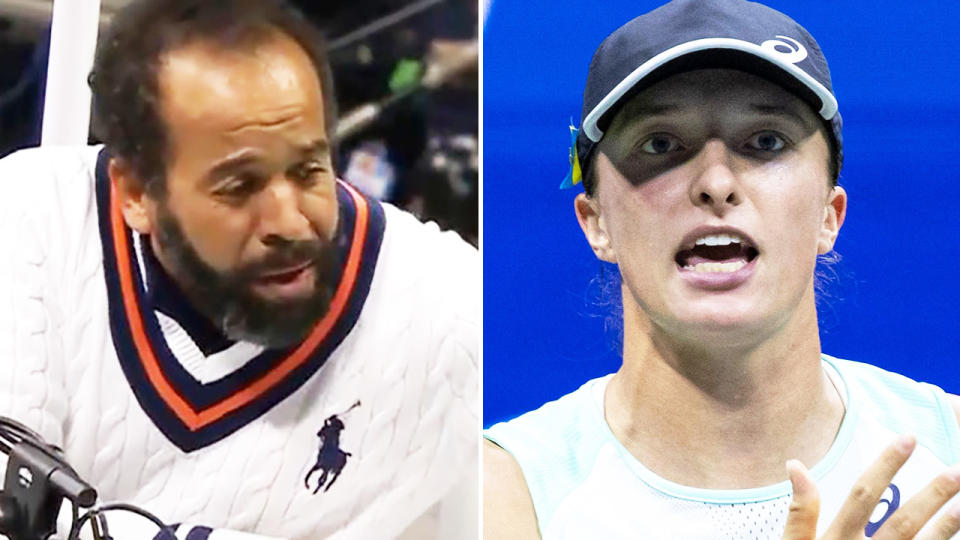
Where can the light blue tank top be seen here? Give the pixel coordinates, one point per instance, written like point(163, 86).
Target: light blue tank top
point(585, 484)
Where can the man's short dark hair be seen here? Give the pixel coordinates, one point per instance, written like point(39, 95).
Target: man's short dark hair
point(126, 95)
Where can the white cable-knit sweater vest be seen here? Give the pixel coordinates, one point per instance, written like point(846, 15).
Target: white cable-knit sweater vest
point(365, 428)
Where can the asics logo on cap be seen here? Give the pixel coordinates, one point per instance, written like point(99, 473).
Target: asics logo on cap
point(796, 53)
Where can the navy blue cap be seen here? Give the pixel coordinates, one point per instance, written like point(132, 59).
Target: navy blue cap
point(686, 35)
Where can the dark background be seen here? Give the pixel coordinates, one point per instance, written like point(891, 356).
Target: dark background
point(894, 299)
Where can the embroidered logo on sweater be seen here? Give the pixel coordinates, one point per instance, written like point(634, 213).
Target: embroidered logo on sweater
point(330, 458)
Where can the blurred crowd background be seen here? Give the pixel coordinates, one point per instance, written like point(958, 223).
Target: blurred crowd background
point(406, 83)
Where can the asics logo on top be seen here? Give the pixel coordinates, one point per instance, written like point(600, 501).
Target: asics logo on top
point(892, 504)
point(795, 51)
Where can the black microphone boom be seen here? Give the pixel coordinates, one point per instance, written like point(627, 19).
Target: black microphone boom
point(36, 482)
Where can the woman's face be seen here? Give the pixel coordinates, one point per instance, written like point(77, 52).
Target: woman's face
point(713, 198)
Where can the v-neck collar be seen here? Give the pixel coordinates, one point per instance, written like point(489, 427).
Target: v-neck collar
point(164, 295)
point(192, 414)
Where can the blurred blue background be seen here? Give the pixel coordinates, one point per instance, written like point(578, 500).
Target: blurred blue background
point(894, 300)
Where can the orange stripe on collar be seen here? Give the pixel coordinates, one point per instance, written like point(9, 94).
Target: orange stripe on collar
point(196, 419)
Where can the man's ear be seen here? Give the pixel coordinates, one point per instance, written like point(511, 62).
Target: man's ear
point(594, 227)
point(833, 215)
point(137, 207)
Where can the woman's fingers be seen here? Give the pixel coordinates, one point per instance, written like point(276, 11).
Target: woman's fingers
point(805, 505)
point(866, 492)
point(945, 527)
point(915, 513)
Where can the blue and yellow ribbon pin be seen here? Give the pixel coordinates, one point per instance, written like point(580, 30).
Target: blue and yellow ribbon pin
point(574, 176)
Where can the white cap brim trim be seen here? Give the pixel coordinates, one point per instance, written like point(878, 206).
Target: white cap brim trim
point(828, 102)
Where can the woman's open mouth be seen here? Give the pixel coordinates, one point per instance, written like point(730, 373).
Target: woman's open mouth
point(718, 260)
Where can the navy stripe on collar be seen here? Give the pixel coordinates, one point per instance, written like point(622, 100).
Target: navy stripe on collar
point(165, 296)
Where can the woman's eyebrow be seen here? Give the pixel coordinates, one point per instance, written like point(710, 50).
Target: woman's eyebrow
point(782, 111)
point(640, 111)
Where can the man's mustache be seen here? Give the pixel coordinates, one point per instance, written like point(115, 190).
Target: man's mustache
point(284, 257)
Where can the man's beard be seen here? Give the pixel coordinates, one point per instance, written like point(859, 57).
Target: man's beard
point(227, 299)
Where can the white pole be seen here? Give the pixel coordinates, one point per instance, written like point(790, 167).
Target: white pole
point(73, 40)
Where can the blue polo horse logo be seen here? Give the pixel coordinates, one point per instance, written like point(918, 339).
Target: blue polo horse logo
point(330, 458)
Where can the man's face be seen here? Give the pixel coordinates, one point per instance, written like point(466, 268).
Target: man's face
point(713, 199)
point(251, 208)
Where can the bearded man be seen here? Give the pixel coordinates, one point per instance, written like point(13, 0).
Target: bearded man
point(183, 310)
